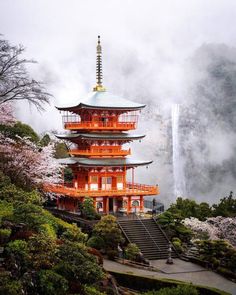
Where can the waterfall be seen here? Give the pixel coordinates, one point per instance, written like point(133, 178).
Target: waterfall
point(178, 172)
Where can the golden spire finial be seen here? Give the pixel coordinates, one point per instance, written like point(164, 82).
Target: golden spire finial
point(99, 86)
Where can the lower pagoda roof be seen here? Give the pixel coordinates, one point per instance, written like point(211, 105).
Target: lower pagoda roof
point(85, 162)
point(100, 136)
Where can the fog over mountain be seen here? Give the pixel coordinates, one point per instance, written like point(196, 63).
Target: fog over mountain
point(159, 53)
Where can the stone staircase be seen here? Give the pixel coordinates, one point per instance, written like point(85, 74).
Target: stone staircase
point(148, 236)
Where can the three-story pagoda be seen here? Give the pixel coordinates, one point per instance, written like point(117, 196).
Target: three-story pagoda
point(98, 129)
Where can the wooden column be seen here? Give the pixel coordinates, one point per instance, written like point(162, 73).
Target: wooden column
point(141, 203)
point(105, 205)
point(129, 205)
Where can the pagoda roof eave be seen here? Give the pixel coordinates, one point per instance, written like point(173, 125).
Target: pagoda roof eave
point(100, 136)
point(103, 100)
point(87, 162)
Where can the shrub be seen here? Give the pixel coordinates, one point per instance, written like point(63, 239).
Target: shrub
point(178, 245)
point(132, 251)
point(179, 290)
point(18, 250)
point(76, 264)
point(112, 254)
point(89, 290)
point(52, 283)
point(6, 210)
point(48, 230)
point(74, 234)
point(96, 242)
point(88, 210)
point(109, 231)
point(9, 286)
point(4, 235)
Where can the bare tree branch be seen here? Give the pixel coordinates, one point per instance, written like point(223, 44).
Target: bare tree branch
point(15, 83)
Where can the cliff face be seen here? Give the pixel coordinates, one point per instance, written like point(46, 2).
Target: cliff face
point(207, 127)
point(209, 122)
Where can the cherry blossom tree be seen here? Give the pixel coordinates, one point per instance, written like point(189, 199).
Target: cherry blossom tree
point(6, 114)
point(26, 163)
point(215, 227)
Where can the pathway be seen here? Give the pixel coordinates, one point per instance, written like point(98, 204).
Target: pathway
point(180, 270)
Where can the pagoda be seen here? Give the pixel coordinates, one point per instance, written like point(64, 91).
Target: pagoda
point(97, 130)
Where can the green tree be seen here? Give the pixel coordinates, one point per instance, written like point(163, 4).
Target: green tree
point(45, 140)
point(205, 211)
point(108, 230)
point(171, 223)
point(19, 129)
point(52, 283)
point(88, 210)
point(187, 208)
point(76, 264)
point(9, 286)
point(132, 251)
point(61, 150)
point(43, 250)
point(226, 207)
point(19, 254)
point(74, 234)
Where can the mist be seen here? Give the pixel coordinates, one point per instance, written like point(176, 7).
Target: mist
point(158, 53)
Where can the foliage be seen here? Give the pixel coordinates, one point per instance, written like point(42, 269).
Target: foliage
point(189, 208)
point(179, 290)
point(6, 210)
point(45, 140)
point(172, 224)
point(15, 81)
point(96, 242)
point(4, 235)
point(19, 253)
point(108, 230)
point(52, 283)
point(11, 193)
point(43, 249)
point(74, 234)
point(77, 264)
point(226, 207)
point(217, 253)
point(61, 150)
point(132, 251)
point(88, 210)
point(19, 130)
point(177, 243)
point(68, 174)
point(89, 290)
point(9, 286)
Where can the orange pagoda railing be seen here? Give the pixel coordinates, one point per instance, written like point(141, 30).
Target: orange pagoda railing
point(100, 125)
point(101, 151)
point(130, 190)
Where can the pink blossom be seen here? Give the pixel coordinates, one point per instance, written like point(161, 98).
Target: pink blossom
point(6, 114)
point(216, 227)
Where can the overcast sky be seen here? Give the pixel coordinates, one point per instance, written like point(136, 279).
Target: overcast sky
point(157, 35)
point(145, 45)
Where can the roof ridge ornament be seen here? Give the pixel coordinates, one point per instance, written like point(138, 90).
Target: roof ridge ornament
point(99, 86)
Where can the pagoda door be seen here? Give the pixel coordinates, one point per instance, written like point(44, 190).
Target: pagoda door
point(106, 183)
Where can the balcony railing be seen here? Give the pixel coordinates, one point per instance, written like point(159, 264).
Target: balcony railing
point(99, 125)
point(130, 190)
point(102, 151)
